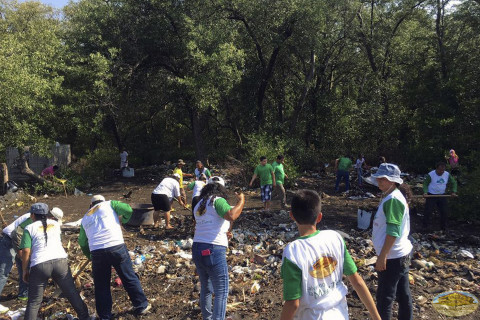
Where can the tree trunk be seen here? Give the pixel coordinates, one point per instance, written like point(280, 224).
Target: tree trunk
point(5, 177)
point(25, 169)
point(197, 129)
point(301, 102)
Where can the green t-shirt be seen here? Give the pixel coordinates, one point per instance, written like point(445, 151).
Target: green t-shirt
point(221, 206)
point(264, 173)
point(279, 172)
point(344, 164)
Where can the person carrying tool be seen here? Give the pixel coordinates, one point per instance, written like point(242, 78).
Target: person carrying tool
point(162, 198)
point(178, 170)
point(43, 257)
point(434, 186)
point(101, 240)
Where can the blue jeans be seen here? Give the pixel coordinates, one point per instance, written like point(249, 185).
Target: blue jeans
point(360, 174)
point(7, 256)
point(393, 283)
point(342, 174)
point(213, 272)
point(102, 262)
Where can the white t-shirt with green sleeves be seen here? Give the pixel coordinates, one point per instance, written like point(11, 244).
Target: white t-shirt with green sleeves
point(34, 238)
point(211, 227)
point(312, 271)
point(197, 187)
point(392, 213)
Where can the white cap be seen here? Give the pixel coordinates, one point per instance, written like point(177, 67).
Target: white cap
point(176, 175)
point(98, 197)
point(57, 213)
point(217, 179)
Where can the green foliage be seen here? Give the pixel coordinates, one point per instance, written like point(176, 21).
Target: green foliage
point(264, 145)
point(466, 205)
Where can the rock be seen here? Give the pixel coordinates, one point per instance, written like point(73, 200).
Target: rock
point(161, 269)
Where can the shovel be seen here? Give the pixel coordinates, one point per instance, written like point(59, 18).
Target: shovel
point(58, 291)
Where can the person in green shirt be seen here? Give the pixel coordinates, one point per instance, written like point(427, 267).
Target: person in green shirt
point(280, 176)
point(342, 167)
point(267, 178)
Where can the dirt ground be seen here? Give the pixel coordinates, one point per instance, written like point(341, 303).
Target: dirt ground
point(254, 254)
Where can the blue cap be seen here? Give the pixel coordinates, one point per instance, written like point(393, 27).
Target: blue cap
point(39, 208)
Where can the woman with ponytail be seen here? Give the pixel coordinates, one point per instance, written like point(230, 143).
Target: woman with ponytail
point(43, 257)
point(213, 218)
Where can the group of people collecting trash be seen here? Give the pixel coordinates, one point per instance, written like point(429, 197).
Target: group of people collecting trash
point(312, 268)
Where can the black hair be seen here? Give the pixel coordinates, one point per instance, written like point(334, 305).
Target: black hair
point(43, 218)
point(280, 157)
point(306, 205)
point(440, 164)
point(210, 191)
point(262, 158)
point(95, 203)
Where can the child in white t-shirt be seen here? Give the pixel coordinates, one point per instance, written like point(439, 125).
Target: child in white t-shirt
point(313, 267)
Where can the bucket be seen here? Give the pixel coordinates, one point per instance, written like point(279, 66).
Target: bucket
point(128, 172)
point(142, 215)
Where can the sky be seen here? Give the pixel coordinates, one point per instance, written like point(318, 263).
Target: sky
point(61, 3)
point(54, 3)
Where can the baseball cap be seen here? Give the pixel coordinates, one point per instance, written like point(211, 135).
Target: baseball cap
point(217, 179)
point(57, 213)
point(39, 208)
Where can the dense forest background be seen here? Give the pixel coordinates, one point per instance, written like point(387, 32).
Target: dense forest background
point(215, 78)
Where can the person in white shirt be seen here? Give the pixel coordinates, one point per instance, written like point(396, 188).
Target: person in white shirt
point(7, 256)
point(101, 240)
point(43, 257)
point(162, 198)
point(213, 218)
point(123, 159)
point(391, 227)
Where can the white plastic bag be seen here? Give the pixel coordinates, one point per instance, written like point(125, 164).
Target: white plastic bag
point(363, 219)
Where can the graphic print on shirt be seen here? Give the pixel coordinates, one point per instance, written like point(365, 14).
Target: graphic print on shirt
point(49, 227)
point(92, 210)
point(441, 180)
point(323, 267)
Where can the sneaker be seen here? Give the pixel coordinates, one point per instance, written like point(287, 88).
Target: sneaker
point(3, 309)
point(145, 311)
point(22, 298)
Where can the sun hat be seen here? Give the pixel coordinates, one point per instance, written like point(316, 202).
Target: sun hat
point(57, 213)
point(176, 175)
point(180, 161)
point(39, 208)
point(216, 179)
point(98, 197)
point(389, 171)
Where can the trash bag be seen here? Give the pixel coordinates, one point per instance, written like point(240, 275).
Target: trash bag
point(11, 186)
point(363, 219)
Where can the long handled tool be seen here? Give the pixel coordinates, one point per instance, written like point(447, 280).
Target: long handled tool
point(4, 223)
point(58, 291)
point(433, 196)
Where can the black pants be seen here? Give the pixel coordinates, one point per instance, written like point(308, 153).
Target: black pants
point(393, 285)
point(441, 204)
